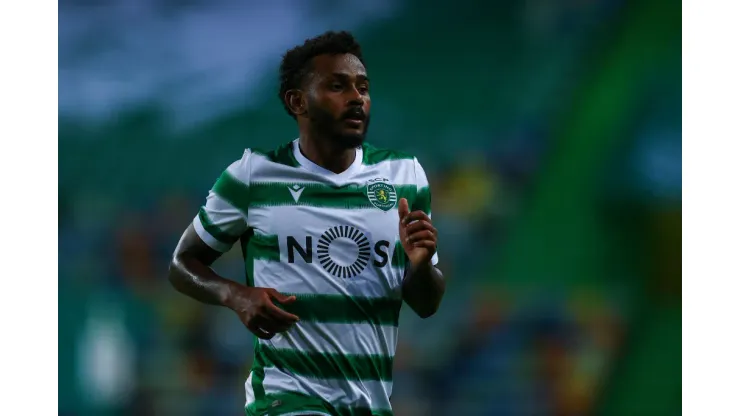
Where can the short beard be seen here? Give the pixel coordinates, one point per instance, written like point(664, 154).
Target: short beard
point(325, 125)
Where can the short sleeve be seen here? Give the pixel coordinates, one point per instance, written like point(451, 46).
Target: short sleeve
point(423, 199)
point(223, 218)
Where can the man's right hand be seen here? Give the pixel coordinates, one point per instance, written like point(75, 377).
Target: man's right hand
point(190, 273)
point(256, 310)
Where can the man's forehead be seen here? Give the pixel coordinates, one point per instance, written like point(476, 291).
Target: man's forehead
point(347, 64)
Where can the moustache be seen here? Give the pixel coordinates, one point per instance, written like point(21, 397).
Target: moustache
point(354, 114)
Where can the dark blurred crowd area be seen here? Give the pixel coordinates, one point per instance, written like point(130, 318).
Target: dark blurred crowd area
point(562, 256)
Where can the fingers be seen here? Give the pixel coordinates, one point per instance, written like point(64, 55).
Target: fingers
point(416, 216)
point(259, 332)
point(270, 324)
point(266, 335)
point(278, 315)
point(274, 312)
point(280, 297)
point(273, 319)
point(420, 230)
point(420, 225)
point(419, 236)
point(265, 319)
point(403, 209)
point(428, 244)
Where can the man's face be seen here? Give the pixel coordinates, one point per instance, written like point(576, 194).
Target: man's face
point(338, 99)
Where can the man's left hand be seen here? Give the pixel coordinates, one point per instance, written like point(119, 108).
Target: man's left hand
point(418, 235)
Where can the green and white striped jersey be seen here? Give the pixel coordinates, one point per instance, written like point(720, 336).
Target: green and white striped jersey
point(332, 241)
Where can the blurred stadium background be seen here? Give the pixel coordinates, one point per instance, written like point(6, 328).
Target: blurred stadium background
point(551, 132)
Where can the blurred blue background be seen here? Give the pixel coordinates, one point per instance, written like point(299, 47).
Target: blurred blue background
point(551, 133)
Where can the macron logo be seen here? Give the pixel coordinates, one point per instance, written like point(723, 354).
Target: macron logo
point(296, 190)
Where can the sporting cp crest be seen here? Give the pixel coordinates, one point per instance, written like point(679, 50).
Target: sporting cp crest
point(382, 194)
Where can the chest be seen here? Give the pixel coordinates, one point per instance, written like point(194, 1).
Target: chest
point(345, 234)
point(354, 220)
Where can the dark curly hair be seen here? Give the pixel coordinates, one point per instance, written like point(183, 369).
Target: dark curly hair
point(296, 63)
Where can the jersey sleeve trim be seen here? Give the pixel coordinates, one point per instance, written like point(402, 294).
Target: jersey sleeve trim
point(223, 218)
point(207, 238)
point(214, 230)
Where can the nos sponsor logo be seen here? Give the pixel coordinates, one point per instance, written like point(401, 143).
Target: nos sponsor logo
point(344, 251)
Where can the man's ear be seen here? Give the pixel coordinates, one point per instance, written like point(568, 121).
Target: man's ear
point(296, 101)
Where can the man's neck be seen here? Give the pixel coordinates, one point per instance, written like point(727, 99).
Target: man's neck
point(323, 153)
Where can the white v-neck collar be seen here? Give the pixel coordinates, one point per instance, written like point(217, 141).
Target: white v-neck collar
point(313, 167)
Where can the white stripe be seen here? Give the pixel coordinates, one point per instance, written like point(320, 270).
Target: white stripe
point(264, 170)
point(222, 213)
point(316, 220)
point(312, 279)
point(372, 394)
point(240, 170)
point(364, 339)
point(249, 392)
point(208, 238)
point(398, 171)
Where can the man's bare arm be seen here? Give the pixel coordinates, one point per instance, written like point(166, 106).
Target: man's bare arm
point(423, 288)
point(190, 272)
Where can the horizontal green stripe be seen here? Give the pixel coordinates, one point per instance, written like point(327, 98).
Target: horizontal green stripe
point(233, 191)
point(406, 191)
point(264, 247)
point(372, 155)
point(258, 375)
point(267, 194)
point(423, 201)
point(214, 230)
point(327, 366)
point(290, 402)
point(345, 309)
point(279, 194)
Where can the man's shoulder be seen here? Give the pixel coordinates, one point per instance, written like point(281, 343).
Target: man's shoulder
point(372, 155)
point(258, 163)
point(282, 154)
